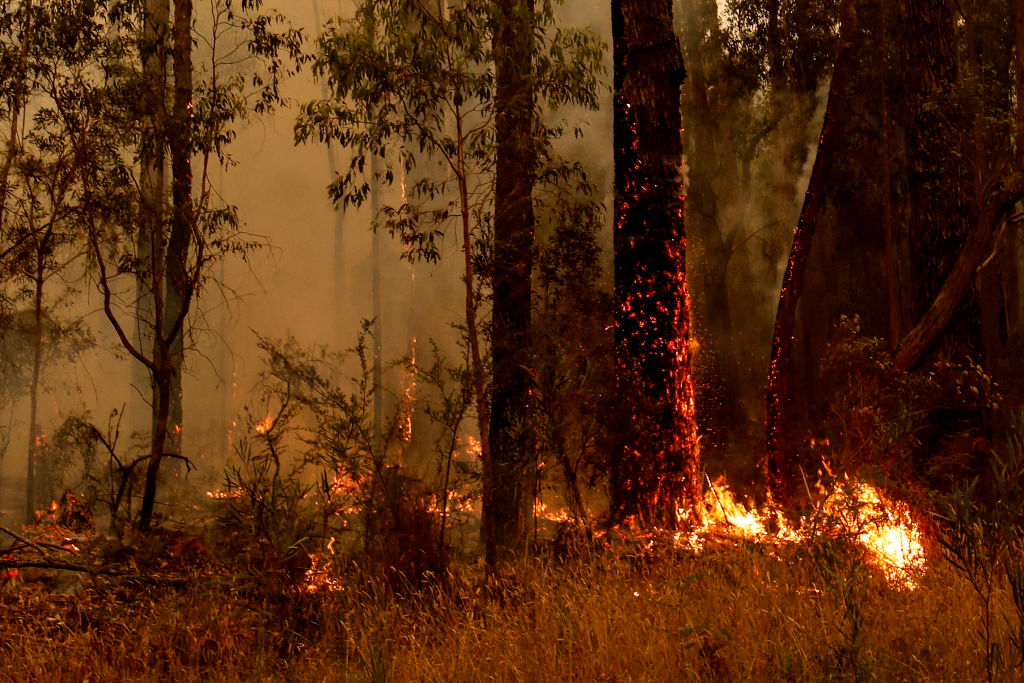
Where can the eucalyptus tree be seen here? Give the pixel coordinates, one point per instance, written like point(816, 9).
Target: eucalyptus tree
point(164, 246)
point(40, 242)
point(657, 469)
point(422, 93)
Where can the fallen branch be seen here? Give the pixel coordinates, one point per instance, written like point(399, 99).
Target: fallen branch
point(26, 541)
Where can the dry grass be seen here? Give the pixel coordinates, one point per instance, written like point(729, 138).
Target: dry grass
point(746, 613)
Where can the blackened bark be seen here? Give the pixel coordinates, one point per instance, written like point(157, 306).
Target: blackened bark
point(511, 445)
point(779, 467)
point(657, 469)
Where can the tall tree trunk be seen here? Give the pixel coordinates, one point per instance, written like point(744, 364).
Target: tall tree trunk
point(657, 469)
point(34, 432)
point(340, 292)
point(890, 263)
point(511, 445)
point(719, 386)
point(164, 128)
point(939, 184)
point(779, 467)
point(153, 46)
point(178, 284)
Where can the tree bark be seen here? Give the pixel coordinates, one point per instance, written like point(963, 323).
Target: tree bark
point(656, 471)
point(178, 284)
point(153, 46)
point(511, 444)
point(778, 467)
point(34, 432)
point(151, 242)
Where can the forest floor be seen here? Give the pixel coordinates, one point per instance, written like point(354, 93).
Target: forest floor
point(186, 606)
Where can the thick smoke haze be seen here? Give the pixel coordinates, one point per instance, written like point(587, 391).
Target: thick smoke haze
point(297, 284)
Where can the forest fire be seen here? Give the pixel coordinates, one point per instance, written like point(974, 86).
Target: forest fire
point(853, 510)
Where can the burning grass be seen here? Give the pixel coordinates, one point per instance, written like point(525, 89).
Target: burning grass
point(630, 610)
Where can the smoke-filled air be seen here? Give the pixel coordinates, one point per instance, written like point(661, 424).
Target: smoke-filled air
point(537, 340)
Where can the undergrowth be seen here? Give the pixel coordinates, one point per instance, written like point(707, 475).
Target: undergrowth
point(741, 612)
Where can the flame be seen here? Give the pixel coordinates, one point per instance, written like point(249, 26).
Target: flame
point(407, 406)
point(886, 530)
point(265, 425)
point(473, 447)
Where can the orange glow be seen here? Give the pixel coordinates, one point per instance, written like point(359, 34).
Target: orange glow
point(265, 425)
point(892, 541)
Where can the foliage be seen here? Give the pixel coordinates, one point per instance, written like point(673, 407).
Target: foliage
point(981, 530)
point(923, 426)
point(572, 369)
point(346, 485)
point(414, 89)
point(728, 614)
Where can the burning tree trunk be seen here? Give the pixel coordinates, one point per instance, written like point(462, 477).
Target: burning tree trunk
point(657, 468)
point(506, 485)
point(779, 467)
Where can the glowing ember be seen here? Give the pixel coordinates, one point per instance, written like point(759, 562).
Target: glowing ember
point(224, 495)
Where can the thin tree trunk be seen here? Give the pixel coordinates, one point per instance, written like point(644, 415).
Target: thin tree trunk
point(149, 252)
point(511, 444)
point(151, 242)
point(34, 432)
point(340, 303)
point(656, 470)
point(15, 112)
point(1018, 82)
point(778, 465)
point(890, 260)
point(378, 327)
point(483, 410)
point(178, 283)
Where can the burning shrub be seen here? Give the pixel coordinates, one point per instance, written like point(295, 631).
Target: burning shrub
point(349, 480)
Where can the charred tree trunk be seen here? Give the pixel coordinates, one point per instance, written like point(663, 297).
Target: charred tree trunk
point(511, 446)
point(657, 469)
point(779, 468)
